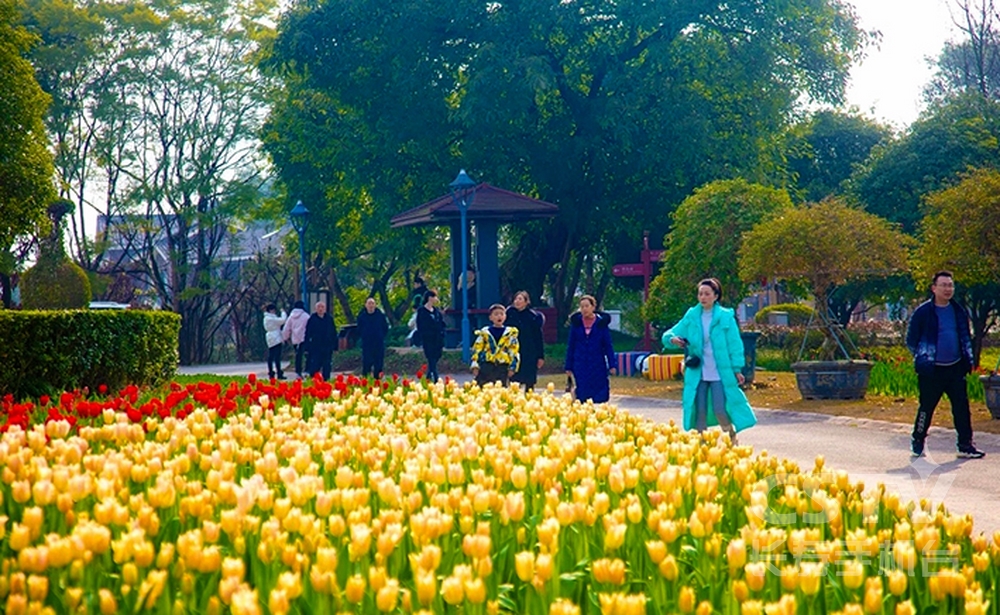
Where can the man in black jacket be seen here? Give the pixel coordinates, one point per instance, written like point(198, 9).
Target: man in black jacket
point(373, 327)
point(321, 337)
point(938, 337)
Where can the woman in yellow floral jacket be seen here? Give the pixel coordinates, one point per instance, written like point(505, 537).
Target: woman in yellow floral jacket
point(496, 352)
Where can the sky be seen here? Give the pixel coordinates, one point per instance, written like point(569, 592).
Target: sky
point(887, 85)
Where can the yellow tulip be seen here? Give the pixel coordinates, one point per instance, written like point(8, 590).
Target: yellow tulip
point(355, 588)
point(387, 597)
point(524, 565)
point(897, 582)
point(736, 555)
point(277, 602)
point(106, 602)
point(669, 569)
point(853, 573)
point(873, 595)
point(685, 601)
point(563, 606)
point(452, 590)
point(740, 590)
point(475, 590)
point(657, 550)
point(810, 574)
point(426, 586)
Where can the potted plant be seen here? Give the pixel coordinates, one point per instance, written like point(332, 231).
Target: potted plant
point(815, 249)
point(991, 386)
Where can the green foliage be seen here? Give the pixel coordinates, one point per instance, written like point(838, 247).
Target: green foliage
point(25, 161)
point(615, 118)
point(51, 351)
point(822, 246)
point(55, 283)
point(708, 230)
point(952, 137)
point(961, 231)
point(798, 313)
point(824, 151)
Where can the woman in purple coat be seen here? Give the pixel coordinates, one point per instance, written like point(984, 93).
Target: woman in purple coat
point(589, 354)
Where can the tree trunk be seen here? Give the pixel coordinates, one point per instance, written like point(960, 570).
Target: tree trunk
point(6, 290)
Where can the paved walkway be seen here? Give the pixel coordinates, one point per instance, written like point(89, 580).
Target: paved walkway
point(870, 451)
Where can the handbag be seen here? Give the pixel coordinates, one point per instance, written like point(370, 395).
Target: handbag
point(690, 360)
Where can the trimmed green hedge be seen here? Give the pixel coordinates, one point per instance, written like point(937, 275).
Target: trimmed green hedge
point(798, 313)
point(51, 351)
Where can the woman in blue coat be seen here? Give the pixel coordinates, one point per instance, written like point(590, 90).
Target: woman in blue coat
point(589, 354)
point(709, 332)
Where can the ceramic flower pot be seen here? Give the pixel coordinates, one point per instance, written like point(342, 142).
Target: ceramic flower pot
point(832, 379)
point(991, 384)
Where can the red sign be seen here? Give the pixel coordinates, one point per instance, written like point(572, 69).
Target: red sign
point(629, 269)
point(655, 255)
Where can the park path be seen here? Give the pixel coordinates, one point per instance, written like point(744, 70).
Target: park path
point(870, 451)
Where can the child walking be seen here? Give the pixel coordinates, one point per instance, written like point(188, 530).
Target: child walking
point(496, 351)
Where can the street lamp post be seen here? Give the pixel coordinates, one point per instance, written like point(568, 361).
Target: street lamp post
point(300, 220)
point(463, 190)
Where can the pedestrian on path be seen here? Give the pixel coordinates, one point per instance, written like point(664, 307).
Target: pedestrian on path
point(590, 356)
point(938, 336)
point(495, 353)
point(272, 335)
point(294, 331)
point(430, 326)
point(321, 339)
point(529, 325)
point(373, 327)
point(713, 366)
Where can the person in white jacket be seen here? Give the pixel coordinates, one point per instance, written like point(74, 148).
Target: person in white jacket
point(272, 335)
point(294, 331)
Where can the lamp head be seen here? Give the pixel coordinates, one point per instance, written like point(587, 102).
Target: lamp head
point(463, 189)
point(300, 217)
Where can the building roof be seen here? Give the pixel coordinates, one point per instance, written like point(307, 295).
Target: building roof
point(490, 203)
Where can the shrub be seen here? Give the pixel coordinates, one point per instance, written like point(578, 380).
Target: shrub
point(45, 351)
point(55, 283)
point(798, 313)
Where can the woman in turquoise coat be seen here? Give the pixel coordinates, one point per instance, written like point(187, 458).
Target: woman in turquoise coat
point(709, 332)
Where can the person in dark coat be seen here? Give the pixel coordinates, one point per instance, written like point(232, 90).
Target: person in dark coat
point(321, 339)
point(419, 290)
point(938, 336)
point(590, 356)
point(430, 325)
point(373, 327)
point(529, 324)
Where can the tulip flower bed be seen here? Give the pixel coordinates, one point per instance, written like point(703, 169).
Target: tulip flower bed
point(402, 497)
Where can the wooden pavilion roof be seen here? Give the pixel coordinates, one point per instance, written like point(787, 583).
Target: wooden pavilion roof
point(490, 203)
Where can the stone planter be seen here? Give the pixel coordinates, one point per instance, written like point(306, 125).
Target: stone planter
point(991, 384)
point(832, 379)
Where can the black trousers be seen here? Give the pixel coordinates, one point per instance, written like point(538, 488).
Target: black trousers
point(300, 351)
point(321, 361)
point(372, 360)
point(493, 372)
point(433, 356)
point(274, 361)
point(527, 374)
point(945, 380)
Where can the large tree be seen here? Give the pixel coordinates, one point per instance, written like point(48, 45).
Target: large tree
point(705, 240)
point(952, 137)
point(26, 187)
point(161, 105)
point(820, 247)
point(826, 149)
point(614, 110)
